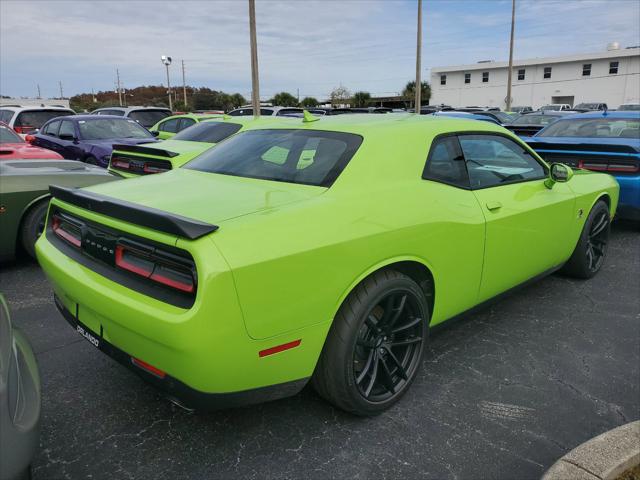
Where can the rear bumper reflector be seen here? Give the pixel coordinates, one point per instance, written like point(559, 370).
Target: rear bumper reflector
point(279, 348)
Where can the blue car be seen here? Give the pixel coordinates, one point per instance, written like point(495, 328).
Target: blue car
point(602, 141)
point(89, 138)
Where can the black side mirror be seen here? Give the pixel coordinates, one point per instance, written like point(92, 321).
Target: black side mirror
point(67, 136)
point(155, 133)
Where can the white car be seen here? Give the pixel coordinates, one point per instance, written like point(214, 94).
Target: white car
point(25, 120)
point(558, 107)
point(267, 110)
point(145, 116)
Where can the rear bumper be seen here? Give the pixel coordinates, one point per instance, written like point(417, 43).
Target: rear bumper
point(174, 388)
point(629, 203)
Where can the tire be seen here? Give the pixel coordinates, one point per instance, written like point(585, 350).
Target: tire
point(33, 226)
point(590, 252)
point(91, 160)
point(370, 358)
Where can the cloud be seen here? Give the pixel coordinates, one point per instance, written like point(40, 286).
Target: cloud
point(307, 45)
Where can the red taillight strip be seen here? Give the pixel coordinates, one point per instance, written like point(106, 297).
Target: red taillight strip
point(122, 263)
point(172, 283)
point(279, 348)
point(62, 233)
point(149, 368)
point(150, 168)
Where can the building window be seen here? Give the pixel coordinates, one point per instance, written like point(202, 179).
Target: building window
point(485, 77)
point(521, 74)
point(467, 78)
point(613, 68)
point(586, 69)
point(547, 72)
point(443, 79)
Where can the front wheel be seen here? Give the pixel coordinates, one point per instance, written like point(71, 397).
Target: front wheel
point(590, 252)
point(375, 346)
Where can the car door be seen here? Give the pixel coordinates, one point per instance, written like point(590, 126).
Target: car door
point(68, 141)
point(48, 136)
point(455, 234)
point(527, 224)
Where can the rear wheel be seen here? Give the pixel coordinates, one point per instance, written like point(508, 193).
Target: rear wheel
point(91, 160)
point(375, 346)
point(33, 226)
point(590, 252)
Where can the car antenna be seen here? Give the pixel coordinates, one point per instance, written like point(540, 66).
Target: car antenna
point(308, 117)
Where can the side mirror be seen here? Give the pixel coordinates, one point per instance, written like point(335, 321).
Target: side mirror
point(558, 173)
point(155, 133)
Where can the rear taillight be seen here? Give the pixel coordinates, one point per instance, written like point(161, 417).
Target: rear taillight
point(152, 167)
point(24, 129)
point(161, 267)
point(121, 164)
point(148, 367)
point(610, 166)
point(66, 230)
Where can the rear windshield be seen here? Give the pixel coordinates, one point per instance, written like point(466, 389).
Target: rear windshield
point(594, 128)
point(37, 118)
point(536, 119)
point(148, 118)
point(111, 128)
point(9, 136)
point(208, 132)
point(308, 157)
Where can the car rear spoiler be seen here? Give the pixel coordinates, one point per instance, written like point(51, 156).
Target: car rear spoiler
point(583, 147)
point(133, 213)
point(524, 130)
point(158, 152)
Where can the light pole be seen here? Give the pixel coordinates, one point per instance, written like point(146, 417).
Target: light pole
point(510, 72)
point(255, 84)
point(167, 61)
point(418, 92)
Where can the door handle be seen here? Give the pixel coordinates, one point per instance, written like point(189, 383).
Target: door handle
point(493, 206)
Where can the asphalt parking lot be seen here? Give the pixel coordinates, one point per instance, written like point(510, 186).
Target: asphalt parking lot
point(502, 394)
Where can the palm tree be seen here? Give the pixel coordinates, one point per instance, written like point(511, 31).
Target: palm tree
point(409, 92)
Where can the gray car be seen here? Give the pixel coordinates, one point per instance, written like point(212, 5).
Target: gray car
point(19, 400)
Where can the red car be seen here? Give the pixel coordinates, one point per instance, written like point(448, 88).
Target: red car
point(13, 147)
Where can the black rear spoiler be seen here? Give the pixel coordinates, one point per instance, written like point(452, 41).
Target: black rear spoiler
point(524, 130)
point(158, 152)
point(133, 213)
point(583, 147)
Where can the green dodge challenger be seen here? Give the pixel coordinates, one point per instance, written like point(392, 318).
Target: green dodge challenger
point(317, 250)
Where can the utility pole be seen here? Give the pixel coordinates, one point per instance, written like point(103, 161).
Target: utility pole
point(298, 95)
point(118, 87)
point(418, 100)
point(184, 87)
point(510, 72)
point(255, 85)
point(39, 96)
point(93, 96)
point(61, 93)
point(167, 61)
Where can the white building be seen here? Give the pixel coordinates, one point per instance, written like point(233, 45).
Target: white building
point(35, 102)
point(611, 77)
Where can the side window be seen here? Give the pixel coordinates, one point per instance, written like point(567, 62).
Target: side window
point(445, 163)
point(5, 116)
point(66, 128)
point(170, 126)
point(51, 128)
point(494, 160)
point(186, 123)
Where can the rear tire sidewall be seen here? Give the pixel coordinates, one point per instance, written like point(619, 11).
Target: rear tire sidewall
point(342, 348)
point(29, 232)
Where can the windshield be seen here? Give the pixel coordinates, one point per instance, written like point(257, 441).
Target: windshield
point(536, 119)
point(594, 128)
point(148, 118)
point(208, 132)
point(106, 128)
point(308, 157)
point(9, 136)
point(37, 118)
point(630, 107)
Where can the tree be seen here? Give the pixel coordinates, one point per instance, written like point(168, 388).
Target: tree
point(309, 102)
point(340, 96)
point(284, 99)
point(361, 99)
point(238, 100)
point(409, 92)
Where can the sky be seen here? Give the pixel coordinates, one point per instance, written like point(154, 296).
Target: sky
point(304, 47)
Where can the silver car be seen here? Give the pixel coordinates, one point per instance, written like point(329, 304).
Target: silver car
point(19, 400)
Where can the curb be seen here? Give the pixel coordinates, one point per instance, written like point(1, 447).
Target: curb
point(601, 458)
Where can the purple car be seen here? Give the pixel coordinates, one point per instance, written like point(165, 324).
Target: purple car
point(89, 138)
